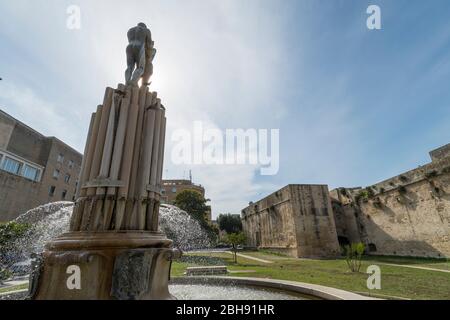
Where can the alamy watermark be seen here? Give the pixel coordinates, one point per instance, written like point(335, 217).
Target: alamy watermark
point(73, 21)
point(374, 280)
point(74, 280)
point(211, 146)
point(374, 20)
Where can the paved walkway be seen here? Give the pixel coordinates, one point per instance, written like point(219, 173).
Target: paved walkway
point(415, 267)
point(15, 282)
point(230, 252)
point(251, 258)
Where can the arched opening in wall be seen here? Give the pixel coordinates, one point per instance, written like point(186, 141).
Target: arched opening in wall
point(372, 247)
point(258, 239)
point(343, 241)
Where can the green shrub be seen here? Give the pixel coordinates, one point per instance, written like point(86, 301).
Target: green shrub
point(11, 231)
point(353, 255)
point(5, 274)
point(363, 195)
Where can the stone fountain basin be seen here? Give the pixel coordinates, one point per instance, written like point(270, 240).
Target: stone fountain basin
point(237, 288)
point(298, 290)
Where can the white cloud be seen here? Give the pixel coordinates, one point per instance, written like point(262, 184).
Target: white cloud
point(216, 62)
point(43, 116)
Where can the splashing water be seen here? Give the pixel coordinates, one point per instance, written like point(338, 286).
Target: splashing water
point(186, 232)
point(51, 220)
point(47, 222)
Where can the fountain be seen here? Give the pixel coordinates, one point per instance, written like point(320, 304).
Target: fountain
point(52, 220)
point(113, 249)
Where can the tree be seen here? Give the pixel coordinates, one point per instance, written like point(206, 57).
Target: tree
point(230, 223)
point(11, 231)
point(353, 255)
point(235, 239)
point(193, 203)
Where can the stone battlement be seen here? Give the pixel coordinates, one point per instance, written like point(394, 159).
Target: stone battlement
point(440, 153)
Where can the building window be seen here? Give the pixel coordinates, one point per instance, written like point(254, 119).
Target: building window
point(31, 173)
point(71, 163)
point(163, 191)
point(67, 178)
point(11, 165)
point(20, 168)
point(51, 191)
point(60, 158)
point(64, 193)
point(174, 190)
point(56, 174)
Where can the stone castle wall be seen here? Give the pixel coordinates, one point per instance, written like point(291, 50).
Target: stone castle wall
point(408, 215)
point(296, 220)
point(440, 153)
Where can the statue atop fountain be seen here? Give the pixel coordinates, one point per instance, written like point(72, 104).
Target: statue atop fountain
point(140, 55)
point(114, 249)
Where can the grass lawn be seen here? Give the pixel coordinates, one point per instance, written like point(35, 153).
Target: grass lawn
point(395, 281)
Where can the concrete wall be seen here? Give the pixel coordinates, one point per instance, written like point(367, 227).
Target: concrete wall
point(296, 220)
point(408, 215)
point(6, 129)
point(29, 144)
point(17, 194)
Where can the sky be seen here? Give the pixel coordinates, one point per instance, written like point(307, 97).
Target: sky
point(354, 106)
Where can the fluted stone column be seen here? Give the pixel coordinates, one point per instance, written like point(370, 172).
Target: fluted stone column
point(114, 239)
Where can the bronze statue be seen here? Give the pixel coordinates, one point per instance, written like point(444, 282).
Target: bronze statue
point(140, 54)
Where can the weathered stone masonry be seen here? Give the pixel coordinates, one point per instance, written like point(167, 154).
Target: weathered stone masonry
point(408, 215)
point(296, 220)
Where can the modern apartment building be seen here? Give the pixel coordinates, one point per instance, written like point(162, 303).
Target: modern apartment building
point(34, 169)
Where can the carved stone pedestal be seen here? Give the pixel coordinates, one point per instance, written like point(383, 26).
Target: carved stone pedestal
point(104, 266)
